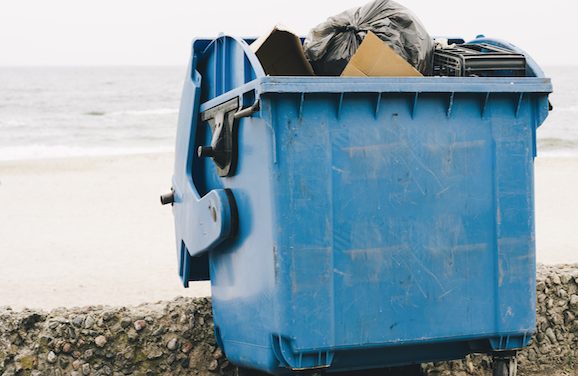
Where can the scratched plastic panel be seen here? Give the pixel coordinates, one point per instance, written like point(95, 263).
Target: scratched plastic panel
point(418, 253)
point(390, 229)
point(243, 270)
point(305, 235)
point(515, 293)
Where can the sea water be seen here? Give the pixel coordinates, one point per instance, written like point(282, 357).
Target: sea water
point(52, 112)
point(559, 133)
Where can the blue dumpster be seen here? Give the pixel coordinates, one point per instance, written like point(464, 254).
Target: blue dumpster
point(357, 223)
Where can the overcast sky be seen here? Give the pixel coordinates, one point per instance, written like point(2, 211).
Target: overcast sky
point(146, 32)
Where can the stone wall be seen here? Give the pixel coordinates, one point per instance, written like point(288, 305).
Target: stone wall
point(176, 338)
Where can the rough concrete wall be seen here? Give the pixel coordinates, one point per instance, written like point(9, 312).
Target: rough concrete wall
point(170, 338)
point(176, 338)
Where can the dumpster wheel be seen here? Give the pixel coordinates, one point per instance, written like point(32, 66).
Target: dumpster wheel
point(413, 370)
point(251, 372)
point(505, 364)
point(241, 371)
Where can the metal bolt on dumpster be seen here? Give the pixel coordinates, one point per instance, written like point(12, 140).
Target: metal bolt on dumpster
point(358, 223)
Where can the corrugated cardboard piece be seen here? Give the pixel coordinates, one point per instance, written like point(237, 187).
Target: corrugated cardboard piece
point(281, 54)
point(374, 58)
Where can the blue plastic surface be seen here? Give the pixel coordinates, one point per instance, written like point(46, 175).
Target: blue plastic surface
point(381, 221)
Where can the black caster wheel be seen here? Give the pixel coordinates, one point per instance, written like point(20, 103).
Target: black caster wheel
point(240, 371)
point(505, 365)
point(413, 370)
point(310, 373)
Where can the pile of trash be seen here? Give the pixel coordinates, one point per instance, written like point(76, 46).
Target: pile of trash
point(380, 39)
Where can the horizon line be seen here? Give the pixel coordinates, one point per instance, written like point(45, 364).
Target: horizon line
point(88, 65)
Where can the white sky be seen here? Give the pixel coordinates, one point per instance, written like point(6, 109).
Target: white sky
point(146, 32)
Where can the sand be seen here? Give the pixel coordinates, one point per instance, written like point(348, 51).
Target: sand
point(556, 192)
point(87, 231)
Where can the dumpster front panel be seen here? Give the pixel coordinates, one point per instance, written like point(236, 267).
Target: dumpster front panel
point(378, 226)
point(403, 225)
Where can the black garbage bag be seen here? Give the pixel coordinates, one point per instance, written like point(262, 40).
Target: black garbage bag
point(330, 45)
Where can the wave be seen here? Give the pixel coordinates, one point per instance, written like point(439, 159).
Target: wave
point(557, 147)
point(558, 153)
point(557, 143)
point(566, 109)
point(11, 123)
point(30, 152)
point(95, 113)
point(154, 111)
point(157, 111)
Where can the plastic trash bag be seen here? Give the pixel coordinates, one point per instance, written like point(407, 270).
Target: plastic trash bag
point(330, 45)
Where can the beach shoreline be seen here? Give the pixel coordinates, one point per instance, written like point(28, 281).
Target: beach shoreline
point(90, 230)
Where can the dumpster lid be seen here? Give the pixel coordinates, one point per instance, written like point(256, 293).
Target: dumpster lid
point(411, 85)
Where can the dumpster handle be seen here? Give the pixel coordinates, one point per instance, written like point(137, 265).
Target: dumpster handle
point(246, 112)
point(168, 198)
point(223, 148)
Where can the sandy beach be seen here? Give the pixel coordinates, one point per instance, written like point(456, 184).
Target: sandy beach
point(87, 231)
point(556, 184)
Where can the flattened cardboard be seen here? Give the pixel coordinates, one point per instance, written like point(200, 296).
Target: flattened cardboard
point(281, 54)
point(374, 58)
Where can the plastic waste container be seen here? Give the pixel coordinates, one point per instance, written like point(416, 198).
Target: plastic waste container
point(357, 223)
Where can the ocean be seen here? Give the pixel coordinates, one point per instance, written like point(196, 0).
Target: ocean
point(54, 112)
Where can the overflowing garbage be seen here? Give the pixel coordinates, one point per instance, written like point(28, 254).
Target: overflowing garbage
point(331, 45)
point(380, 39)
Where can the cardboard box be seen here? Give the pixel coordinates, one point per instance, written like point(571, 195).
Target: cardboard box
point(281, 54)
point(374, 58)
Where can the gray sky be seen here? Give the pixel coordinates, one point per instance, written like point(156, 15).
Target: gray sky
point(145, 32)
